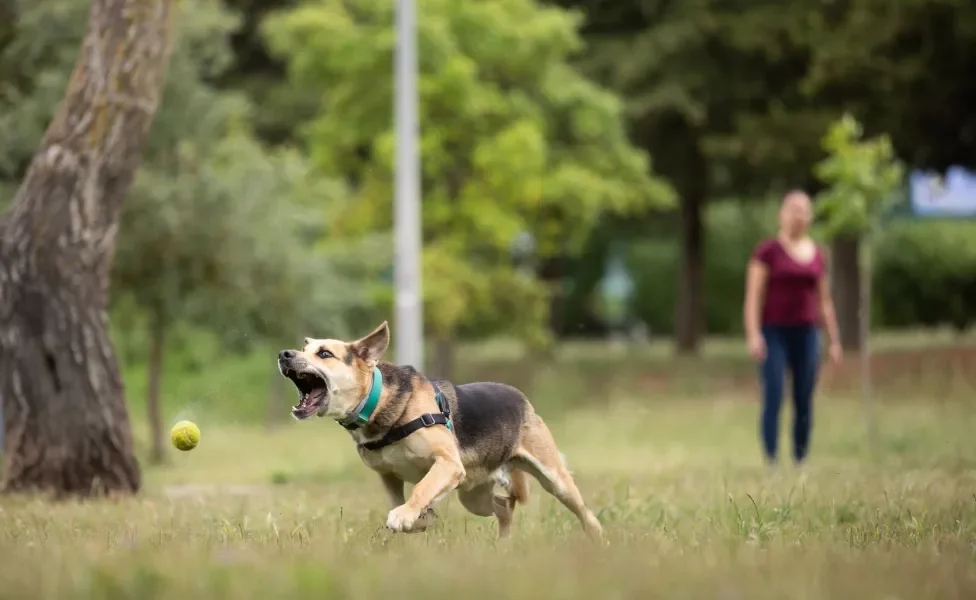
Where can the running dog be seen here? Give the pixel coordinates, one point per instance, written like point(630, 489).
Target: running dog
point(481, 439)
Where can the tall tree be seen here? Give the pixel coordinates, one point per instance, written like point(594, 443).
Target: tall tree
point(863, 176)
point(707, 86)
point(515, 145)
point(66, 426)
point(217, 232)
point(732, 99)
point(872, 60)
point(222, 240)
point(285, 105)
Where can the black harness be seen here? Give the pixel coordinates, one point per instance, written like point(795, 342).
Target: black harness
point(425, 420)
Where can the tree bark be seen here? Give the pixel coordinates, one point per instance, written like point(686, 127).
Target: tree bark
point(157, 347)
point(690, 301)
point(845, 273)
point(866, 263)
point(66, 426)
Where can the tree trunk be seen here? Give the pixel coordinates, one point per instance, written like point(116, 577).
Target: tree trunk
point(864, 329)
point(157, 347)
point(551, 270)
point(443, 366)
point(690, 301)
point(66, 425)
point(845, 274)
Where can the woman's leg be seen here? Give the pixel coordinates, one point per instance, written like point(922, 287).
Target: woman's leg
point(771, 374)
point(803, 350)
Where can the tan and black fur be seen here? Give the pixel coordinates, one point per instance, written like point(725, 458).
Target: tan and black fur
point(497, 441)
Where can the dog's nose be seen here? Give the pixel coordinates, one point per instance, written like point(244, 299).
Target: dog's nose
point(286, 355)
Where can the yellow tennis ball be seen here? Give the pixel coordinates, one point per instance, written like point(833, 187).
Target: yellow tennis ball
point(185, 435)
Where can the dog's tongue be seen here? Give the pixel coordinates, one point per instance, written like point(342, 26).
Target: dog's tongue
point(314, 396)
point(311, 398)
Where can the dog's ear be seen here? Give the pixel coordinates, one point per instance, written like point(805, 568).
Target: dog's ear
point(372, 347)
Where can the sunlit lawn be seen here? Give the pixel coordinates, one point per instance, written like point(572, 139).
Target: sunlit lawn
point(292, 514)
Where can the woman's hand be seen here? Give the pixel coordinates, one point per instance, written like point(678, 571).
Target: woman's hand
point(757, 347)
point(835, 352)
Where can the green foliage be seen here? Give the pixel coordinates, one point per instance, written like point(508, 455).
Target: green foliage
point(925, 274)
point(731, 231)
point(285, 106)
point(36, 62)
point(757, 83)
point(220, 239)
point(39, 53)
point(862, 176)
point(924, 271)
point(217, 231)
point(860, 60)
point(220, 231)
point(712, 88)
point(512, 140)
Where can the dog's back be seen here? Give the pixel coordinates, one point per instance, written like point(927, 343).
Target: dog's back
point(488, 418)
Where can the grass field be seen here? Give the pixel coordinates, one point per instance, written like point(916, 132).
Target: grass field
point(202, 378)
point(689, 513)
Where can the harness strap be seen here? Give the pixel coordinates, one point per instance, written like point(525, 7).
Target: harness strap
point(398, 433)
point(443, 404)
point(425, 420)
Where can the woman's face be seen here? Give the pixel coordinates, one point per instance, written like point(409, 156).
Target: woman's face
point(795, 213)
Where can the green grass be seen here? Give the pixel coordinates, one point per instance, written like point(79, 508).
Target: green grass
point(661, 349)
point(203, 378)
point(291, 513)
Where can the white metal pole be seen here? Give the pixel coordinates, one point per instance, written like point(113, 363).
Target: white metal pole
point(408, 335)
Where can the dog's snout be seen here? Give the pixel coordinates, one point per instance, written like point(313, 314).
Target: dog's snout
point(286, 355)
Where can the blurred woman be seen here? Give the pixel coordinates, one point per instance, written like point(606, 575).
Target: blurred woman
point(787, 298)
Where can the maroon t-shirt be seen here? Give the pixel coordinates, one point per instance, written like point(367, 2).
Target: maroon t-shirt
point(791, 287)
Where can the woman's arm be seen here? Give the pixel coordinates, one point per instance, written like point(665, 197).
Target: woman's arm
point(756, 275)
point(827, 311)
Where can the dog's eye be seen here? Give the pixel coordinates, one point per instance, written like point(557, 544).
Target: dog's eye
point(323, 353)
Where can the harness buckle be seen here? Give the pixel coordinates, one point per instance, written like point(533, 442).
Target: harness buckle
point(427, 419)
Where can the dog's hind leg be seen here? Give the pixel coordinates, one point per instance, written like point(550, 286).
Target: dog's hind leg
point(516, 492)
point(538, 455)
point(483, 502)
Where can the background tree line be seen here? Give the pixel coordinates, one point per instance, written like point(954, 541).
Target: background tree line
point(721, 104)
point(557, 137)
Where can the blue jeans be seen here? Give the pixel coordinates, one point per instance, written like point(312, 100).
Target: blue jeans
point(795, 347)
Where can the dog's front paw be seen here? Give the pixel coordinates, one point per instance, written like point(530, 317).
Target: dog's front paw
point(401, 518)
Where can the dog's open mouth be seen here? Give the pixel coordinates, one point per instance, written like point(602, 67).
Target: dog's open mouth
point(313, 393)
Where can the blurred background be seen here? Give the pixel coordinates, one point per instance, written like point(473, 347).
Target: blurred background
point(595, 175)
